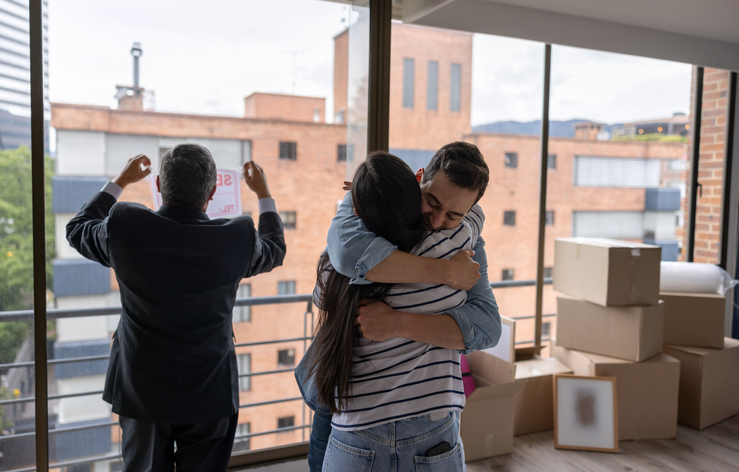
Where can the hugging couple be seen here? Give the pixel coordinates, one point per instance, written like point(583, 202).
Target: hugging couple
point(402, 291)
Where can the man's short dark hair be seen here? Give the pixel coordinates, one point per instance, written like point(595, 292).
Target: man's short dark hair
point(463, 165)
point(187, 175)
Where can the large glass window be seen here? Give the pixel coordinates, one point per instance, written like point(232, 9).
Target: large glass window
point(619, 127)
point(249, 81)
point(484, 99)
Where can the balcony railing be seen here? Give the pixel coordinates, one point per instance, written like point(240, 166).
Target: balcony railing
point(308, 328)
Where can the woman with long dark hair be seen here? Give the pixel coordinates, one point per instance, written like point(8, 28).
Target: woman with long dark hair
point(395, 401)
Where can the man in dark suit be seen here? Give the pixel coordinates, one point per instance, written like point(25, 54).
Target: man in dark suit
point(172, 377)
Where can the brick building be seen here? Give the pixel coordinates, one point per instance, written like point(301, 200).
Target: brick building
point(305, 159)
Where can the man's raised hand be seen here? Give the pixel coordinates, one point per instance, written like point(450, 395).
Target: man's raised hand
point(464, 271)
point(256, 180)
point(135, 169)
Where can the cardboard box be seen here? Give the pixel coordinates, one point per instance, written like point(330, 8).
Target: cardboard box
point(534, 401)
point(694, 319)
point(486, 425)
point(709, 383)
point(647, 395)
point(633, 333)
point(606, 271)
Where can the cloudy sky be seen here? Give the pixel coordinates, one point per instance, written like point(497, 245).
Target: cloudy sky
point(205, 57)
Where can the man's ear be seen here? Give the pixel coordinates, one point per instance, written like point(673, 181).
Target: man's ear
point(212, 192)
point(158, 190)
point(419, 175)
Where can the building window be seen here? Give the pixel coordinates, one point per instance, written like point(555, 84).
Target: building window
point(244, 363)
point(619, 172)
point(286, 422)
point(511, 160)
point(507, 274)
point(286, 287)
point(549, 218)
point(546, 329)
point(408, 72)
point(432, 86)
point(245, 151)
point(509, 218)
point(288, 150)
point(316, 115)
point(286, 357)
point(547, 272)
point(242, 314)
point(456, 91)
point(289, 219)
point(241, 440)
point(345, 152)
point(552, 161)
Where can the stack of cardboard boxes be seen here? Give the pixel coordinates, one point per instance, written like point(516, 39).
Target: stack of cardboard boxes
point(709, 373)
point(610, 322)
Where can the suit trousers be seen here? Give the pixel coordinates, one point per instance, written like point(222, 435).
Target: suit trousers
point(150, 447)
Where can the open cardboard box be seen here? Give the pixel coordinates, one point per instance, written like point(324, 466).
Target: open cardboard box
point(633, 333)
point(535, 400)
point(709, 383)
point(607, 272)
point(647, 391)
point(694, 319)
point(487, 420)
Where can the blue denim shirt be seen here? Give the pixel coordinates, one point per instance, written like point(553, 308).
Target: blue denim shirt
point(354, 251)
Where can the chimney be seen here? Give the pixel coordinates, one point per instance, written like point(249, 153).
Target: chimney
point(588, 130)
point(132, 98)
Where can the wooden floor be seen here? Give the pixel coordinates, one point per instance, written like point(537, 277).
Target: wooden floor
point(715, 449)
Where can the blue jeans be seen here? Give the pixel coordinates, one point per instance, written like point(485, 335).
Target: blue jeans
point(319, 439)
point(399, 446)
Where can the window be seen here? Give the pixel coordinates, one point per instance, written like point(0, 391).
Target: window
point(288, 219)
point(286, 357)
point(241, 440)
point(511, 160)
point(245, 151)
point(456, 91)
point(549, 218)
point(507, 274)
point(244, 363)
point(620, 172)
point(408, 72)
point(242, 314)
point(286, 422)
point(344, 152)
point(547, 272)
point(288, 150)
point(432, 85)
point(546, 329)
point(552, 161)
point(286, 287)
point(163, 151)
point(509, 218)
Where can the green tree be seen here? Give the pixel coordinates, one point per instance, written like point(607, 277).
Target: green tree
point(16, 243)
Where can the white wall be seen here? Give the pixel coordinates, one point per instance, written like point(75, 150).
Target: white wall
point(89, 407)
point(80, 153)
point(121, 147)
point(63, 249)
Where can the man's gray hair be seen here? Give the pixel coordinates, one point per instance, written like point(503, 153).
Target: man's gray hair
point(187, 174)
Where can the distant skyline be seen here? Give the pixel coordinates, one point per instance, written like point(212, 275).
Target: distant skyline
point(205, 61)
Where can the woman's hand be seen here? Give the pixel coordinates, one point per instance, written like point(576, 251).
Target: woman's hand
point(376, 321)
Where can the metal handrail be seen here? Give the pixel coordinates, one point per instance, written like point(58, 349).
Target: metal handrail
point(21, 315)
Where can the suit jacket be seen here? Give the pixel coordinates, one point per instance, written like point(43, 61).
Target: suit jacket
point(172, 358)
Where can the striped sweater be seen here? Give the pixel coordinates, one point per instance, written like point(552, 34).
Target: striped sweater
point(399, 378)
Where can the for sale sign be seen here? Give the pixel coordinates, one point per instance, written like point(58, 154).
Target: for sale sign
point(226, 201)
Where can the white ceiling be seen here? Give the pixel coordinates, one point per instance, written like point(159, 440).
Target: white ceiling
point(701, 32)
point(712, 19)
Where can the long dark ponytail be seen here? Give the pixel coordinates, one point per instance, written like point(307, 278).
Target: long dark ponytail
point(387, 197)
